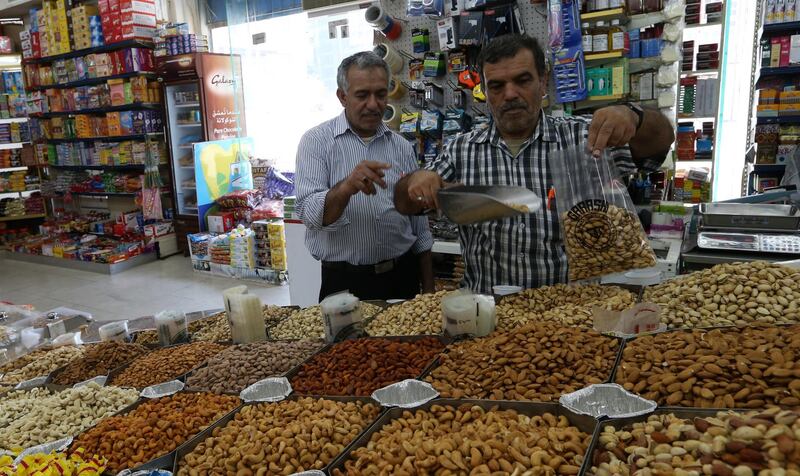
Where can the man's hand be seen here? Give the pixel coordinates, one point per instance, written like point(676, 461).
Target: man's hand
point(364, 177)
point(423, 188)
point(612, 126)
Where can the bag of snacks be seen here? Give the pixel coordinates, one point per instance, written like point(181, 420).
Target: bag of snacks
point(602, 232)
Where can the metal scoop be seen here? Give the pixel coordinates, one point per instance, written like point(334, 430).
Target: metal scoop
point(467, 204)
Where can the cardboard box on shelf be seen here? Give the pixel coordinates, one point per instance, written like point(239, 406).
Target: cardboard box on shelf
point(220, 222)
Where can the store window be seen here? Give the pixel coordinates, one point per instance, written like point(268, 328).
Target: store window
point(289, 67)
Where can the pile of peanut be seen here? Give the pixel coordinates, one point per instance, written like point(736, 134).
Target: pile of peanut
point(471, 440)
point(165, 364)
point(729, 294)
point(537, 362)
point(234, 369)
point(562, 304)
point(361, 366)
point(599, 243)
point(280, 438)
point(153, 429)
point(307, 323)
point(40, 363)
point(747, 367)
point(419, 316)
point(99, 359)
point(50, 417)
point(765, 443)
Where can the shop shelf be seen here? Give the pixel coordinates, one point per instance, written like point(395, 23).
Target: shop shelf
point(105, 138)
point(769, 168)
point(699, 72)
point(602, 56)
point(114, 194)
point(9, 120)
point(102, 268)
point(605, 15)
point(780, 71)
point(95, 49)
point(778, 120)
point(14, 169)
point(92, 81)
point(188, 104)
point(100, 167)
point(785, 27)
point(22, 217)
point(100, 110)
point(701, 25)
point(12, 145)
point(645, 19)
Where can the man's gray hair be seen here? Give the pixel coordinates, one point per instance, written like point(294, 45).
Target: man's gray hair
point(361, 60)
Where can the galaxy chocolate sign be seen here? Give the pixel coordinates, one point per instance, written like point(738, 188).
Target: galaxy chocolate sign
point(224, 98)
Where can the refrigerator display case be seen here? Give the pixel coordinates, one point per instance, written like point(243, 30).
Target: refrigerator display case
point(204, 101)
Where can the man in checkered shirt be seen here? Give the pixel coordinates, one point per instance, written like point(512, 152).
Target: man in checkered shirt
point(518, 149)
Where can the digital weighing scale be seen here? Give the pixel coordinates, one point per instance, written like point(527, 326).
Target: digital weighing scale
point(755, 228)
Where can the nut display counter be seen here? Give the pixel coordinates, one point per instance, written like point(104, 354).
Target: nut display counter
point(725, 379)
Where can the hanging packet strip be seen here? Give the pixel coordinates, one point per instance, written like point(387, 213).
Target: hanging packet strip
point(602, 233)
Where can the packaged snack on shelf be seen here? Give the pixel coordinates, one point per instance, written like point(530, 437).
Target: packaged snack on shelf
point(602, 233)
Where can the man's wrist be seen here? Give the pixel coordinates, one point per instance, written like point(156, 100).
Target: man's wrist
point(638, 112)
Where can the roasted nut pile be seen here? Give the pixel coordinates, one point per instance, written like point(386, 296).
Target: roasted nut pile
point(19, 402)
point(62, 414)
point(307, 323)
point(154, 428)
point(361, 366)
point(41, 362)
point(729, 294)
point(602, 242)
point(562, 304)
point(99, 359)
point(280, 438)
point(234, 369)
point(537, 362)
point(746, 367)
point(730, 444)
point(419, 316)
point(471, 440)
point(165, 364)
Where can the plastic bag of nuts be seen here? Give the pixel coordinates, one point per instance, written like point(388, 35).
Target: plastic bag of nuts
point(729, 294)
point(263, 438)
point(307, 323)
point(568, 305)
point(165, 364)
point(154, 428)
point(537, 362)
point(99, 359)
point(361, 366)
point(746, 367)
point(234, 369)
point(726, 444)
point(468, 439)
point(602, 233)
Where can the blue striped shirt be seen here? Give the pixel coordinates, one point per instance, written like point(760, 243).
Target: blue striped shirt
point(370, 230)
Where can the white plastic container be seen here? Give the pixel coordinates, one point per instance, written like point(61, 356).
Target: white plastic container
point(340, 311)
point(505, 290)
point(464, 313)
point(171, 327)
point(115, 331)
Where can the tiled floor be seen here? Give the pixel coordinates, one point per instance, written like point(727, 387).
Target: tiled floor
point(141, 291)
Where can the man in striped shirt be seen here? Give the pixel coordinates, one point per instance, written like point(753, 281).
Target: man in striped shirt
point(347, 169)
point(518, 149)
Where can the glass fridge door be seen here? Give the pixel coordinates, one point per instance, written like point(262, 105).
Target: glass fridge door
point(186, 128)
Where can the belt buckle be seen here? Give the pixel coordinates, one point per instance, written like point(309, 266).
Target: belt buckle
point(384, 267)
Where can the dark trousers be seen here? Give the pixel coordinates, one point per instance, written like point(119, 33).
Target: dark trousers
point(402, 282)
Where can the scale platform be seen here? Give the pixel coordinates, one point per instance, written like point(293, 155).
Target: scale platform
point(755, 228)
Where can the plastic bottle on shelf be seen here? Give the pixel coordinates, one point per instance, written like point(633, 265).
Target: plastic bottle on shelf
point(600, 38)
point(618, 37)
point(586, 37)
